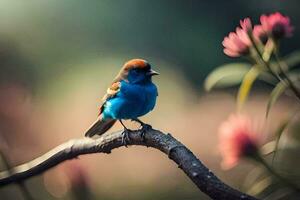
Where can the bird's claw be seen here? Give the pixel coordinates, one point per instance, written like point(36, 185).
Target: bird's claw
point(125, 137)
point(138, 121)
point(145, 128)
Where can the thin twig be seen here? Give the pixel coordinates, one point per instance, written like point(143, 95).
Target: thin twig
point(203, 178)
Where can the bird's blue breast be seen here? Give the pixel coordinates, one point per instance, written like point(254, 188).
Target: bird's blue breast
point(132, 101)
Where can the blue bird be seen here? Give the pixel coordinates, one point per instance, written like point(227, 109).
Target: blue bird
point(132, 94)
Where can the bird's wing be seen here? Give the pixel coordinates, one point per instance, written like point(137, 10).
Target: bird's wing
point(101, 125)
point(110, 93)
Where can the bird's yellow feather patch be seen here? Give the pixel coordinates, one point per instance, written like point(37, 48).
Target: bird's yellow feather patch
point(110, 92)
point(114, 88)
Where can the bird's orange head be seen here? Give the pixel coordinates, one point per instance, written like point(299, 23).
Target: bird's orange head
point(136, 66)
point(136, 63)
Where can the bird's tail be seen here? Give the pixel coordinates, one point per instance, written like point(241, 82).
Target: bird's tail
point(100, 126)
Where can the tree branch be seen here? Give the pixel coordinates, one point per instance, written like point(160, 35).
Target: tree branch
point(205, 180)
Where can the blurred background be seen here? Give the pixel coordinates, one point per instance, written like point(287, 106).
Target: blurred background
point(57, 58)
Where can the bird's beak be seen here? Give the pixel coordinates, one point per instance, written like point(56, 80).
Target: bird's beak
point(151, 72)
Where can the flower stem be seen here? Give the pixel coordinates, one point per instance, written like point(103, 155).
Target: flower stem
point(274, 73)
point(292, 86)
point(266, 64)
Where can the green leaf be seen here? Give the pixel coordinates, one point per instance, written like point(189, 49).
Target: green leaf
point(260, 186)
point(246, 85)
point(267, 78)
point(292, 59)
point(268, 148)
point(256, 173)
point(226, 75)
point(275, 94)
point(280, 131)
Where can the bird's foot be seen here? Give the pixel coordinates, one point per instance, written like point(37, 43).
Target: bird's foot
point(125, 137)
point(145, 128)
point(125, 134)
point(138, 121)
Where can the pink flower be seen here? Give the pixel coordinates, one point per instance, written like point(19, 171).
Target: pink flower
point(260, 34)
point(238, 43)
point(237, 139)
point(246, 25)
point(277, 25)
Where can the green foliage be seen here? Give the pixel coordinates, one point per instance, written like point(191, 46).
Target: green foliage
point(275, 94)
point(292, 59)
point(278, 135)
point(246, 85)
point(260, 186)
point(226, 75)
point(266, 181)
